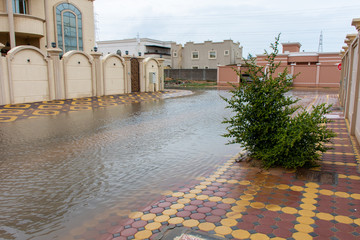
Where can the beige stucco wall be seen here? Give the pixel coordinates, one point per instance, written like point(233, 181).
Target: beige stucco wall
point(28, 76)
point(114, 74)
point(78, 75)
point(151, 66)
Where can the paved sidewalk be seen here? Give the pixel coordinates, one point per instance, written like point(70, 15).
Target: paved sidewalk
point(238, 201)
point(14, 112)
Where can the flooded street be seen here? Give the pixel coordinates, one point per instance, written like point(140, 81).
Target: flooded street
point(57, 172)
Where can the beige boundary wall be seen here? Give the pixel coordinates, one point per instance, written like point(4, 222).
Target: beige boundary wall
point(28, 74)
point(350, 80)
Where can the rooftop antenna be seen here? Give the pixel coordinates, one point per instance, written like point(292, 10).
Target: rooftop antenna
point(320, 49)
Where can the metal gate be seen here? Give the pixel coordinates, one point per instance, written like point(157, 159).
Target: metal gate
point(135, 75)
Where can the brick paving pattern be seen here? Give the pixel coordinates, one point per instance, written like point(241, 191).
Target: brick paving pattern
point(237, 201)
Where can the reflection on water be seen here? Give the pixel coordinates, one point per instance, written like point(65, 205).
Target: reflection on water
point(59, 171)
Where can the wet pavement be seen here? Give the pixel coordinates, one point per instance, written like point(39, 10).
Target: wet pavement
point(237, 201)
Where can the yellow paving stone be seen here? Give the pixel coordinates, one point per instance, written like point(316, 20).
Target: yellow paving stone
point(221, 180)
point(162, 218)
point(189, 195)
point(234, 215)
point(283, 186)
point(243, 203)
point(200, 187)
point(232, 181)
point(355, 196)
point(250, 192)
point(273, 207)
point(306, 213)
point(305, 220)
point(342, 176)
point(223, 230)
point(308, 200)
point(210, 179)
point(152, 226)
point(312, 185)
point(167, 193)
point(195, 191)
point(302, 236)
point(289, 210)
point(259, 236)
point(269, 185)
point(229, 222)
point(310, 195)
point(247, 197)
point(342, 194)
point(240, 234)
point(205, 183)
point(135, 215)
point(325, 216)
point(178, 194)
point(311, 190)
point(175, 220)
point(304, 228)
point(297, 188)
point(326, 192)
point(206, 226)
point(344, 219)
point(229, 200)
point(169, 212)
point(215, 199)
point(183, 200)
point(177, 206)
point(244, 182)
point(255, 188)
point(257, 205)
point(357, 221)
point(143, 234)
point(353, 177)
point(238, 209)
point(190, 223)
point(148, 217)
point(202, 197)
point(308, 206)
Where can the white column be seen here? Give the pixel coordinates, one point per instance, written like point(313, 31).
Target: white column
point(10, 10)
point(47, 24)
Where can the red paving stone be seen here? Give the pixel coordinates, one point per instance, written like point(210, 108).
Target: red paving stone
point(236, 196)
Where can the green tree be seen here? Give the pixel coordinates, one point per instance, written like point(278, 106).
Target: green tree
point(269, 124)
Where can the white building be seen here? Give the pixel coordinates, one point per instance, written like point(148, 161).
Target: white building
point(145, 47)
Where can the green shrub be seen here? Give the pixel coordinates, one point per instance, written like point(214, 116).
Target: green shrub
point(269, 124)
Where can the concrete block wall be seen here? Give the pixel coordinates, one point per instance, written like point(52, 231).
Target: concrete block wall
point(28, 74)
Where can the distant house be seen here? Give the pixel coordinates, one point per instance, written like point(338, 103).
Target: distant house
point(139, 47)
point(206, 55)
point(315, 69)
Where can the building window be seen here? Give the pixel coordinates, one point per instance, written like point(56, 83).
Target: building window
point(195, 67)
point(195, 55)
point(174, 54)
point(212, 54)
point(21, 6)
point(69, 27)
point(206, 67)
point(226, 52)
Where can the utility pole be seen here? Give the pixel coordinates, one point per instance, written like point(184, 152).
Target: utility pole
point(320, 49)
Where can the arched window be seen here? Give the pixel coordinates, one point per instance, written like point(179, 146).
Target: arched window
point(69, 27)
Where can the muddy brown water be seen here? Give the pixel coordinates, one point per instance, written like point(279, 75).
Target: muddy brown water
point(57, 172)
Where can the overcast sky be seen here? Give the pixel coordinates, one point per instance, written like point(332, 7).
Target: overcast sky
point(253, 23)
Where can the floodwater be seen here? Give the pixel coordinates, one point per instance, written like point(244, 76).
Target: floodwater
point(57, 172)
